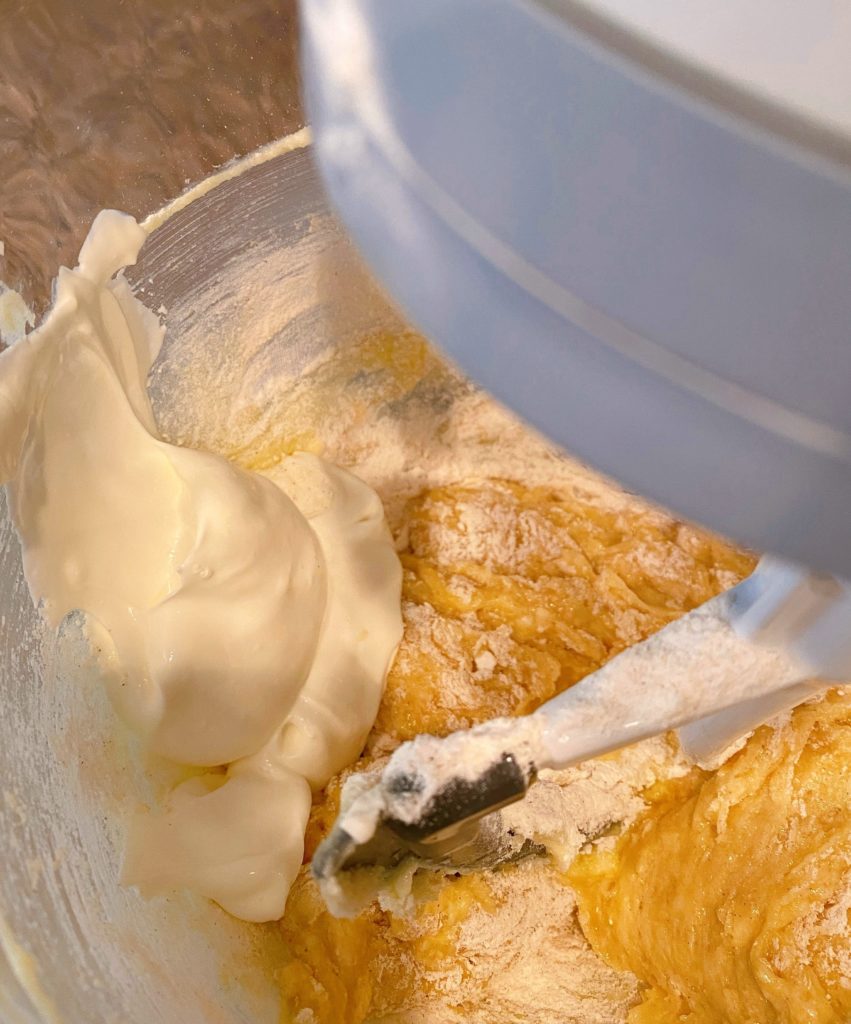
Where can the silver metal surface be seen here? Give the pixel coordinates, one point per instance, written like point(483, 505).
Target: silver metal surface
point(458, 829)
point(75, 946)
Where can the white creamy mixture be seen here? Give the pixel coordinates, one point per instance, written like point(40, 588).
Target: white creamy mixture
point(243, 623)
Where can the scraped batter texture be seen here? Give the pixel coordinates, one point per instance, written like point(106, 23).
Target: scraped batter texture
point(730, 897)
point(522, 573)
point(511, 594)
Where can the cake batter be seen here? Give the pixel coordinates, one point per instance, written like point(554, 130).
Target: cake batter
point(511, 592)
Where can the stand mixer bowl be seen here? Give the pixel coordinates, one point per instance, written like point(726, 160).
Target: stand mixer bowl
point(257, 279)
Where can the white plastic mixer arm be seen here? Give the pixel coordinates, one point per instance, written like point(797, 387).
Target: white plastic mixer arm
point(715, 674)
point(780, 605)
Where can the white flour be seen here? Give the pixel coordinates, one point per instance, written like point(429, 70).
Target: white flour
point(474, 440)
point(490, 534)
point(829, 921)
point(526, 961)
point(524, 948)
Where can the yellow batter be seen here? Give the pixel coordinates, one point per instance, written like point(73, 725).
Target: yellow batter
point(730, 898)
point(727, 900)
point(553, 614)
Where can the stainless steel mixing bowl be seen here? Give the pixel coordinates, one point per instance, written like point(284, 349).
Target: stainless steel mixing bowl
point(257, 278)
